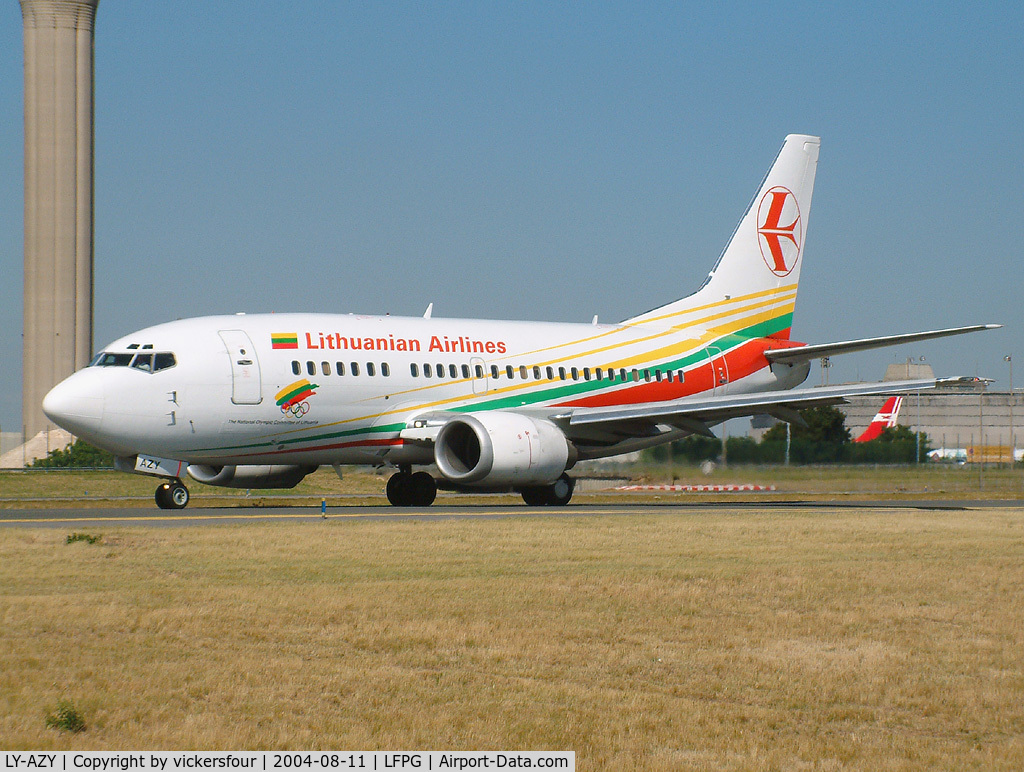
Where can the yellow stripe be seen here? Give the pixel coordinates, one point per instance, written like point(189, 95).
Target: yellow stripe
point(766, 308)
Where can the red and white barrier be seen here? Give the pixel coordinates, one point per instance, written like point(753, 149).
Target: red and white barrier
point(696, 488)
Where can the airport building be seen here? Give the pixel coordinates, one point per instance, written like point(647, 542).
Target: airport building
point(966, 414)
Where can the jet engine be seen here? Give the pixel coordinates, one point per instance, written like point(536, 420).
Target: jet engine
point(495, 450)
point(250, 476)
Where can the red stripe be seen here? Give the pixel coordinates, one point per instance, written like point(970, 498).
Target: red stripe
point(742, 361)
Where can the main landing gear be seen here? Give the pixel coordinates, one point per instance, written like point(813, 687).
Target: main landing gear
point(555, 495)
point(411, 490)
point(172, 495)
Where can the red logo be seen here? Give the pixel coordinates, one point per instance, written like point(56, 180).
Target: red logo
point(780, 243)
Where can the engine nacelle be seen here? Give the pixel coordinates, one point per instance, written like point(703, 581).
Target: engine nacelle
point(501, 449)
point(250, 476)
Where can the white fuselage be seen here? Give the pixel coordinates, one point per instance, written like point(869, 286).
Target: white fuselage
point(337, 389)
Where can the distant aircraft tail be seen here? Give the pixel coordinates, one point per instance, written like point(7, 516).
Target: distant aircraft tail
point(884, 419)
point(753, 285)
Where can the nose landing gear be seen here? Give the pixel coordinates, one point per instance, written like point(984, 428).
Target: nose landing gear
point(172, 495)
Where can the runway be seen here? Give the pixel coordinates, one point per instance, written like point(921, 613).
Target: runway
point(202, 516)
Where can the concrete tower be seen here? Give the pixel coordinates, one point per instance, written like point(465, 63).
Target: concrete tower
point(58, 196)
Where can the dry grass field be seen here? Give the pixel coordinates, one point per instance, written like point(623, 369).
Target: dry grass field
point(816, 639)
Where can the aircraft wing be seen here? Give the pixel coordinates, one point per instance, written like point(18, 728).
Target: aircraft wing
point(797, 354)
point(695, 414)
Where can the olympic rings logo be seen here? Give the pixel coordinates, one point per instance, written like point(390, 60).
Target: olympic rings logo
point(297, 410)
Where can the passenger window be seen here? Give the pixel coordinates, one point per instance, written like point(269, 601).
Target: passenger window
point(682, 376)
point(440, 370)
point(325, 368)
point(453, 371)
point(296, 367)
point(165, 360)
point(415, 370)
point(657, 375)
point(311, 368)
point(636, 376)
point(551, 373)
point(536, 373)
point(575, 374)
point(561, 373)
point(479, 371)
point(354, 368)
point(370, 369)
point(586, 373)
point(622, 374)
point(509, 372)
point(339, 368)
point(143, 362)
point(427, 371)
point(465, 371)
point(494, 371)
point(668, 376)
point(647, 375)
point(385, 369)
point(611, 373)
point(597, 373)
point(522, 372)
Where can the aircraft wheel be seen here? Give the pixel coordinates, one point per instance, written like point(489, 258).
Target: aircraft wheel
point(535, 497)
point(172, 495)
point(555, 495)
point(399, 489)
point(560, 491)
point(163, 499)
point(423, 489)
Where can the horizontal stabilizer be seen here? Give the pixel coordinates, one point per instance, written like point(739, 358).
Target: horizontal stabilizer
point(797, 354)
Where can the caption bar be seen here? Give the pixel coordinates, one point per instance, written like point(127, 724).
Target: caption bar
point(169, 761)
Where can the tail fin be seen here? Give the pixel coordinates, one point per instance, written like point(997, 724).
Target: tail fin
point(760, 267)
point(884, 419)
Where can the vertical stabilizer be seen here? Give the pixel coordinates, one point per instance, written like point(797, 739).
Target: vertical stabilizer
point(884, 419)
point(758, 271)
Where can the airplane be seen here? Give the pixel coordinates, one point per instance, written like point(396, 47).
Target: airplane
point(261, 401)
point(884, 419)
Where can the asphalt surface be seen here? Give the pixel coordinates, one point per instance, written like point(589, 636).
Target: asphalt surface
point(65, 517)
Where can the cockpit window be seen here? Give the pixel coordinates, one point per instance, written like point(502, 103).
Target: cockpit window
point(146, 361)
point(163, 361)
point(108, 359)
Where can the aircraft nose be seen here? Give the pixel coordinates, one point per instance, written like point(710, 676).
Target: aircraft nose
point(76, 404)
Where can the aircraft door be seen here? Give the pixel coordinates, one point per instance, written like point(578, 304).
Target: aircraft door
point(719, 370)
point(246, 388)
point(477, 366)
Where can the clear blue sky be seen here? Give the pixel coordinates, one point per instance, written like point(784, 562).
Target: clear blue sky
point(542, 161)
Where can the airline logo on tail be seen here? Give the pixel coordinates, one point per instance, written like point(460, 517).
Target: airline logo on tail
point(780, 243)
point(884, 419)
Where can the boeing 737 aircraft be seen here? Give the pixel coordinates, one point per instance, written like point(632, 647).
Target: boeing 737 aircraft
point(260, 401)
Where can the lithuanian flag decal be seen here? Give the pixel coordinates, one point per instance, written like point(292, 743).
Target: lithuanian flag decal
point(284, 340)
point(292, 398)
